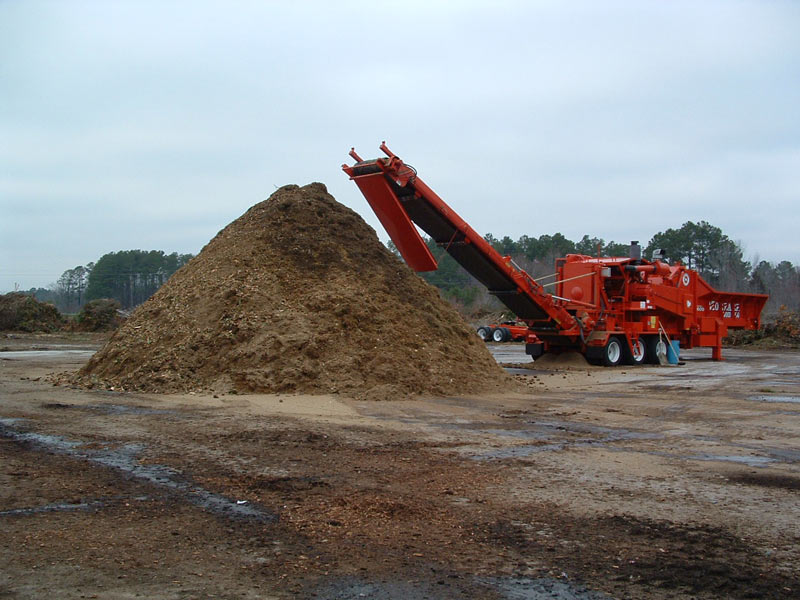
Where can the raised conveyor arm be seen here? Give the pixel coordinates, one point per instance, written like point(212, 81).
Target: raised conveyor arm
point(400, 199)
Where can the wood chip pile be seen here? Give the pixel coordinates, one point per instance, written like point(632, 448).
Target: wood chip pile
point(297, 295)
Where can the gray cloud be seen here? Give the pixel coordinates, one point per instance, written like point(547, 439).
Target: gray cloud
point(153, 125)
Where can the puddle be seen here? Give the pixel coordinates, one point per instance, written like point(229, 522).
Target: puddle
point(51, 508)
point(50, 442)
point(608, 433)
point(42, 354)
point(750, 461)
point(63, 506)
point(558, 436)
point(784, 455)
point(787, 371)
point(552, 434)
point(554, 428)
point(764, 398)
point(526, 434)
point(110, 409)
point(520, 588)
point(125, 459)
point(454, 586)
point(120, 409)
point(524, 451)
point(351, 589)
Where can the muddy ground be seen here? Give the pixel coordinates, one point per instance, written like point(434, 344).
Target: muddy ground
point(649, 482)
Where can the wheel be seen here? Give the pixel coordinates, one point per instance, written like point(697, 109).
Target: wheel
point(499, 335)
point(593, 360)
point(485, 333)
point(612, 353)
point(654, 346)
point(506, 334)
point(637, 354)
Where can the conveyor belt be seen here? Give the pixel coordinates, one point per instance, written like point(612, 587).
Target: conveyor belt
point(400, 200)
point(470, 256)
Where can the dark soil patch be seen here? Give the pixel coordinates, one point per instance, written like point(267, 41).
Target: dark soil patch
point(784, 482)
point(56, 405)
point(287, 484)
point(699, 561)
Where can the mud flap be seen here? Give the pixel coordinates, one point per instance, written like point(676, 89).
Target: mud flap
point(534, 350)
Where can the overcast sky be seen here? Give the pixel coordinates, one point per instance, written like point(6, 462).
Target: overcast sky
point(152, 125)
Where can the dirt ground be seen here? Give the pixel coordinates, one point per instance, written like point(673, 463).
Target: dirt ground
point(648, 482)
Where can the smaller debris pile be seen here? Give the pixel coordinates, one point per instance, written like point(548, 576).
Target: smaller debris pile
point(22, 312)
point(779, 331)
point(297, 295)
point(103, 314)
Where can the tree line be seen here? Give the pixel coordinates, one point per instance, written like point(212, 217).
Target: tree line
point(700, 246)
point(132, 276)
point(129, 276)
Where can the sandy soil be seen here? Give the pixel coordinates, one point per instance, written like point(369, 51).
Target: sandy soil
point(650, 482)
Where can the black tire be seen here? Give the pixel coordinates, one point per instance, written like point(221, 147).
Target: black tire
point(652, 343)
point(593, 360)
point(506, 334)
point(636, 355)
point(485, 333)
point(499, 334)
point(612, 352)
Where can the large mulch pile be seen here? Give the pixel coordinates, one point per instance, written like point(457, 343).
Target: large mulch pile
point(297, 295)
point(23, 312)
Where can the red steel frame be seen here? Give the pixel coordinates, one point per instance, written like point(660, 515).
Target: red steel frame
point(594, 299)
